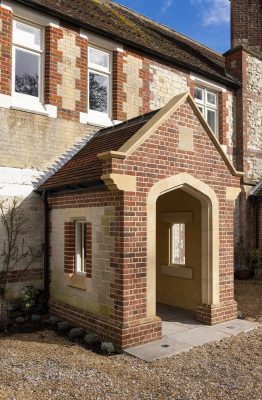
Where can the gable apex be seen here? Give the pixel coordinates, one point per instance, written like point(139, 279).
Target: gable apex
point(157, 120)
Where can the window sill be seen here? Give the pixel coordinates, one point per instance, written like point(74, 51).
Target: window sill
point(28, 106)
point(97, 119)
point(12, 103)
point(177, 271)
point(78, 281)
point(30, 110)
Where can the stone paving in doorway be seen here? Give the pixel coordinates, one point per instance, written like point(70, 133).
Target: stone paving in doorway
point(181, 332)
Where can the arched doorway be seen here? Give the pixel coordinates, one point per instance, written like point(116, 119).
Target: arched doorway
point(178, 250)
point(204, 201)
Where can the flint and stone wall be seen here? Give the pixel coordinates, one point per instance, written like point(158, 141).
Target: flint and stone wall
point(254, 117)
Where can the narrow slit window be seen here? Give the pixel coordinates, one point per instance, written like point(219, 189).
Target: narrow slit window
point(80, 239)
point(178, 250)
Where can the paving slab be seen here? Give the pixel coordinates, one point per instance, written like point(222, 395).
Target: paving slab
point(235, 326)
point(163, 348)
point(179, 336)
point(169, 327)
point(199, 336)
point(187, 323)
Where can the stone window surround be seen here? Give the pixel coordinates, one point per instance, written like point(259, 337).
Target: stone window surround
point(79, 280)
point(80, 245)
point(208, 84)
point(176, 270)
point(34, 17)
point(204, 106)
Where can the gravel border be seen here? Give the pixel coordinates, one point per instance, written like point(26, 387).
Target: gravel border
point(44, 365)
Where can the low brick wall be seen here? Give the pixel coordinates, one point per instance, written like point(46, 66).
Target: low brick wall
point(122, 335)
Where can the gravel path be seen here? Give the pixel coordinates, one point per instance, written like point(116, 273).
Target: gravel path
point(248, 294)
point(45, 366)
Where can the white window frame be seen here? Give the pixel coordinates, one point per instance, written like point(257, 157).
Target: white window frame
point(205, 106)
point(22, 100)
point(172, 243)
point(102, 118)
point(80, 248)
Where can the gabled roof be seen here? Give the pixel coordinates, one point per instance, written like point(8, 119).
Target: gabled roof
point(116, 21)
point(85, 168)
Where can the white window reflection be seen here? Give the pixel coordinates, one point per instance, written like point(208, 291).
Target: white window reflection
point(178, 241)
point(206, 101)
point(27, 65)
point(99, 81)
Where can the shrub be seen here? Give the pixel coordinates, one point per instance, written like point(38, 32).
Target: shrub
point(29, 295)
point(63, 326)
point(35, 318)
point(76, 333)
point(53, 320)
point(90, 338)
point(20, 320)
point(107, 348)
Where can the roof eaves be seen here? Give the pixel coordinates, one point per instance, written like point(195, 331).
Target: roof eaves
point(257, 190)
point(79, 187)
point(163, 26)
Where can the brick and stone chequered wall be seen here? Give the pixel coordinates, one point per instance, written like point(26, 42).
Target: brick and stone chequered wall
point(66, 71)
point(159, 157)
point(140, 83)
point(96, 296)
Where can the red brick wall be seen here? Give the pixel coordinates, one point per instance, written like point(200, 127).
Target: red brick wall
point(69, 247)
point(118, 79)
point(222, 115)
point(156, 159)
point(25, 275)
point(6, 30)
point(52, 57)
point(246, 23)
point(89, 250)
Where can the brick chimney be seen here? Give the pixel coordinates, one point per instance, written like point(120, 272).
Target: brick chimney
point(246, 24)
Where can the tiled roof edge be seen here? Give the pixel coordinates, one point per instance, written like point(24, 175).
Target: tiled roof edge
point(168, 28)
point(62, 160)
